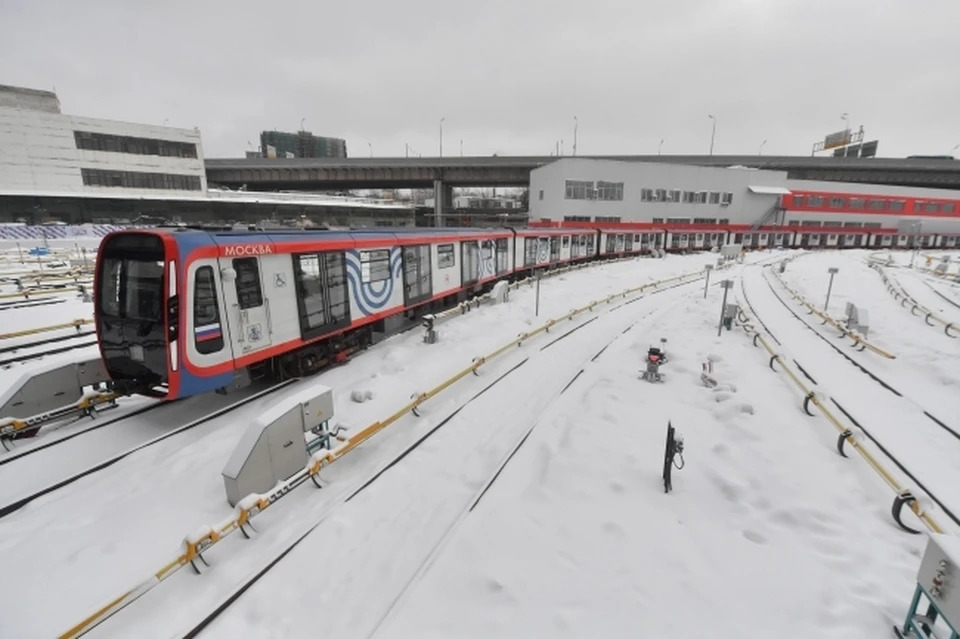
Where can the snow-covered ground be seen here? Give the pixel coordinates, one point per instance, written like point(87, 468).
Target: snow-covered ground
point(767, 531)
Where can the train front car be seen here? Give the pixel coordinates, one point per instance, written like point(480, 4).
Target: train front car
point(136, 311)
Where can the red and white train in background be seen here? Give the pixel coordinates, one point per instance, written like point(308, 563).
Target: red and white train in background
point(861, 219)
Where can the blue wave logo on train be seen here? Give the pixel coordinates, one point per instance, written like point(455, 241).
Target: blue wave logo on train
point(371, 298)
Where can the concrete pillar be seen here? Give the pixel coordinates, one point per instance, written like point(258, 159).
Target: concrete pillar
point(442, 200)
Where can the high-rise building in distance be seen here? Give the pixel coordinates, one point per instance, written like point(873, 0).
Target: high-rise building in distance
point(302, 144)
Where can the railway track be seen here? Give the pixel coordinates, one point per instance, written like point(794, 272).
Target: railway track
point(74, 341)
point(48, 457)
point(889, 410)
point(461, 429)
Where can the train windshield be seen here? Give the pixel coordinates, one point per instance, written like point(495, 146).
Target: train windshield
point(130, 311)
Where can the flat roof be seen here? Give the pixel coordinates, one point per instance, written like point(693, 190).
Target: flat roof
point(227, 197)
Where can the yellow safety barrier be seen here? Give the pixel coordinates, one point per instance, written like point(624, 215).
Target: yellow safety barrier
point(900, 295)
point(252, 505)
point(904, 495)
point(77, 323)
point(43, 292)
point(858, 340)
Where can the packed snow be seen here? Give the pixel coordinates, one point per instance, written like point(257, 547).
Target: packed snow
point(535, 509)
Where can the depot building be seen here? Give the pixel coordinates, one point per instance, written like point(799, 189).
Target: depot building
point(580, 190)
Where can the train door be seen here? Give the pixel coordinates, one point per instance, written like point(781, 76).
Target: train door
point(417, 278)
point(247, 310)
point(554, 249)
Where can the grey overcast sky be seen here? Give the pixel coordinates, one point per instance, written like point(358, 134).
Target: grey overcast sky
point(508, 75)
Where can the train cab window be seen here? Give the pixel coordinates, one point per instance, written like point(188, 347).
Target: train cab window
point(947, 207)
point(446, 256)
point(207, 332)
point(374, 266)
point(249, 293)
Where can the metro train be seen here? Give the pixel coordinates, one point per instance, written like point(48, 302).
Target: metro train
point(186, 311)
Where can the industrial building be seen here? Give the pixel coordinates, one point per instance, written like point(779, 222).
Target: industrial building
point(73, 169)
point(302, 144)
point(575, 190)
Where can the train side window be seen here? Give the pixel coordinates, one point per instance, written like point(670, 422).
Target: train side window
point(309, 281)
point(207, 332)
point(249, 293)
point(470, 263)
point(503, 255)
point(529, 251)
point(374, 266)
point(446, 256)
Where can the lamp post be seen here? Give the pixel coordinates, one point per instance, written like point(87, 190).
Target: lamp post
point(713, 132)
point(727, 285)
point(660, 148)
point(708, 268)
point(370, 144)
point(833, 271)
point(441, 136)
point(461, 148)
point(846, 121)
point(761, 147)
point(576, 123)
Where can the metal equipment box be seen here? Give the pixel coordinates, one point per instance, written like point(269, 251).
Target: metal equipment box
point(274, 446)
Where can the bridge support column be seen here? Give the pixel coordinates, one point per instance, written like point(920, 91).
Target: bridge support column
point(442, 200)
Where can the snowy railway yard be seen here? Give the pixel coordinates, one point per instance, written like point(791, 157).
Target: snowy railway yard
point(527, 500)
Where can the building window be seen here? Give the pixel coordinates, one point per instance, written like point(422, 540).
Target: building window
point(610, 191)
point(576, 218)
point(857, 203)
point(897, 205)
point(606, 218)
point(798, 201)
point(837, 202)
point(89, 141)
point(851, 225)
point(933, 207)
point(793, 223)
point(918, 205)
point(579, 190)
point(947, 207)
point(660, 195)
point(871, 225)
point(541, 195)
point(705, 220)
point(810, 223)
point(374, 266)
point(446, 256)
point(678, 220)
point(814, 201)
point(877, 205)
point(657, 220)
point(688, 197)
point(714, 197)
point(646, 195)
point(675, 195)
point(137, 180)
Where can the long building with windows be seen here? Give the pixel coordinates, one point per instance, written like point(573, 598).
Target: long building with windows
point(58, 168)
point(676, 197)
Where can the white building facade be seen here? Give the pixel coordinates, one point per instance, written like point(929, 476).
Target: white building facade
point(584, 190)
point(44, 154)
point(677, 195)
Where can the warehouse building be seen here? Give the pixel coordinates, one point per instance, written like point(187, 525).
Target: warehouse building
point(575, 190)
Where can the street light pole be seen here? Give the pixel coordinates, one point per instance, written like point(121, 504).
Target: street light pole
point(708, 267)
point(761, 147)
point(575, 124)
point(833, 271)
point(660, 148)
point(441, 136)
point(713, 132)
point(727, 285)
